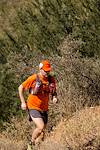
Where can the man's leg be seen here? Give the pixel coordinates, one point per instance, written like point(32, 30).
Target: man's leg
point(39, 128)
point(45, 120)
point(41, 136)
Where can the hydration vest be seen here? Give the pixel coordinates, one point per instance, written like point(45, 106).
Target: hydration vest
point(37, 86)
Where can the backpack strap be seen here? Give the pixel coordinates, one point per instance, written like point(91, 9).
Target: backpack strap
point(37, 80)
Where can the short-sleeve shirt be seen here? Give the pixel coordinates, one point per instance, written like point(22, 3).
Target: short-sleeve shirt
point(40, 100)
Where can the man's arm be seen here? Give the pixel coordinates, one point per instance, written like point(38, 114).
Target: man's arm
point(21, 95)
point(52, 88)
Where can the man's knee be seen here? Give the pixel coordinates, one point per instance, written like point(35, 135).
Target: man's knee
point(40, 128)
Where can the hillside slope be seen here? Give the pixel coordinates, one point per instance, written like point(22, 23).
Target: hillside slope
point(80, 132)
point(32, 30)
point(67, 33)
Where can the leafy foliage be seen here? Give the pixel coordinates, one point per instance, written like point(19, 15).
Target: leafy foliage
point(8, 94)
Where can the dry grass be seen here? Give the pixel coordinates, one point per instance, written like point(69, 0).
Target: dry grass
point(79, 132)
point(6, 144)
point(16, 135)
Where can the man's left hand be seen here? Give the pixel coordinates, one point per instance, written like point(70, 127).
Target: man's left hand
point(54, 100)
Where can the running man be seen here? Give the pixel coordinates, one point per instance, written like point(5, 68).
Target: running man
point(40, 86)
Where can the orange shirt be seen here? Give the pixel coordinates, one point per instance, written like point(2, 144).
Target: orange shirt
point(40, 100)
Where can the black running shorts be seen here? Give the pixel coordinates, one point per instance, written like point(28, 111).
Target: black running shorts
point(39, 114)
